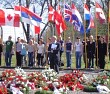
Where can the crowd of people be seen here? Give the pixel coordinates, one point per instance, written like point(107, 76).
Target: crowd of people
point(33, 53)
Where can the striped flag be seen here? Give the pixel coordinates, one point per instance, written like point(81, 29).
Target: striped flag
point(88, 16)
point(37, 27)
point(28, 16)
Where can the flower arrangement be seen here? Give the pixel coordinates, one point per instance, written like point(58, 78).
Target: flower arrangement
point(37, 78)
point(72, 81)
point(103, 78)
point(48, 81)
point(50, 74)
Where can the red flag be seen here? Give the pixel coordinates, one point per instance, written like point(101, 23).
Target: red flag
point(59, 21)
point(99, 13)
point(51, 14)
point(9, 18)
point(37, 29)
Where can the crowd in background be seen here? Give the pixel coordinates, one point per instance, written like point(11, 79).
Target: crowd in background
point(50, 52)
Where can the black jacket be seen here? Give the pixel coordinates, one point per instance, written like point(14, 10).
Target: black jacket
point(102, 49)
point(54, 51)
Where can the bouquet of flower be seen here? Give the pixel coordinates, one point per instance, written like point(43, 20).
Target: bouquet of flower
point(72, 81)
point(50, 74)
point(101, 79)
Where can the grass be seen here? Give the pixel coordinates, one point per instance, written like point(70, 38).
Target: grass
point(63, 59)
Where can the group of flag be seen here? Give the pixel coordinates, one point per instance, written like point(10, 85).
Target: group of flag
point(13, 17)
point(71, 14)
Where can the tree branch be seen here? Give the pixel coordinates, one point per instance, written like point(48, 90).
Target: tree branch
point(42, 8)
point(44, 29)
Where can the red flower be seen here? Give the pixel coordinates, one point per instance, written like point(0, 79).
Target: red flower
point(79, 86)
point(45, 88)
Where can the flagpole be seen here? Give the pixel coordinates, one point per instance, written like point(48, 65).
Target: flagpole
point(47, 48)
point(108, 35)
point(96, 43)
point(85, 54)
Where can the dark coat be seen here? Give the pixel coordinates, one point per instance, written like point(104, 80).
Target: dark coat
point(90, 49)
point(102, 49)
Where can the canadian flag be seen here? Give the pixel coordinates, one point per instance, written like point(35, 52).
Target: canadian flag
point(99, 13)
point(9, 18)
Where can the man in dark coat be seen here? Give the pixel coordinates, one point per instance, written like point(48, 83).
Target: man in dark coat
point(54, 54)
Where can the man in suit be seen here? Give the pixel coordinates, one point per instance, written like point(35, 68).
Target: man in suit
point(54, 54)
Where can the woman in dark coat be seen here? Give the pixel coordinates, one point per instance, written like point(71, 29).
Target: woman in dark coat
point(102, 51)
point(91, 52)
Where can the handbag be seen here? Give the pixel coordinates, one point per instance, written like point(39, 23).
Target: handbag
point(23, 50)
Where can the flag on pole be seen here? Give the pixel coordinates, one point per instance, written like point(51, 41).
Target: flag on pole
point(9, 18)
point(56, 17)
point(36, 28)
point(88, 16)
point(91, 24)
point(86, 12)
point(23, 14)
point(100, 13)
point(67, 13)
point(51, 14)
point(77, 20)
point(27, 16)
point(59, 21)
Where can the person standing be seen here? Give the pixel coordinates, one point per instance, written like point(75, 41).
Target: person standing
point(54, 54)
point(18, 52)
point(23, 52)
point(40, 53)
point(8, 53)
point(31, 50)
point(34, 59)
point(69, 48)
point(102, 52)
point(1, 50)
point(78, 52)
point(61, 47)
point(48, 50)
point(91, 52)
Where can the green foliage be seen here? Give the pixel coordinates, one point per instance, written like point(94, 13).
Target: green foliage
point(43, 92)
point(90, 89)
